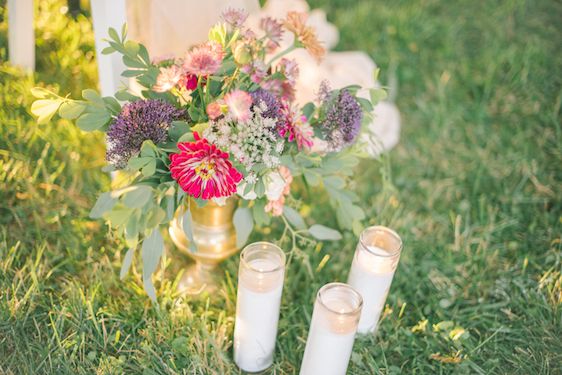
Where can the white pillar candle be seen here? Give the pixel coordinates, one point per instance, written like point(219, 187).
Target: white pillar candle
point(260, 285)
point(332, 330)
point(372, 270)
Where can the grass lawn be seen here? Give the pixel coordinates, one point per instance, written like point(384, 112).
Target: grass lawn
point(476, 194)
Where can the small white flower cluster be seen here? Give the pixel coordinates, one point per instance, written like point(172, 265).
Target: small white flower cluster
point(251, 142)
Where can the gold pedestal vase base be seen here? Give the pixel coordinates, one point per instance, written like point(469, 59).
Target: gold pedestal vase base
point(214, 240)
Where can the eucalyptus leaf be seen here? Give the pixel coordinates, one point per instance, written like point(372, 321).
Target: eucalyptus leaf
point(93, 96)
point(136, 163)
point(41, 93)
point(244, 224)
point(127, 261)
point(323, 233)
point(104, 204)
point(149, 169)
point(152, 249)
point(71, 110)
point(177, 129)
point(187, 226)
point(118, 216)
point(312, 178)
point(260, 216)
point(294, 217)
point(93, 120)
point(138, 197)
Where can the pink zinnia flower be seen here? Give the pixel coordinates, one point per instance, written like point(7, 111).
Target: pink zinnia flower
point(167, 79)
point(203, 170)
point(239, 103)
point(204, 60)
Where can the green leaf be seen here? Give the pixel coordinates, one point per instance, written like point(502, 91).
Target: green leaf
point(294, 217)
point(312, 178)
point(132, 230)
point(334, 182)
point(200, 128)
point(365, 104)
point(308, 110)
point(377, 95)
point(41, 93)
point(131, 47)
point(138, 197)
point(322, 233)
point(152, 249)
point(132, 73)
point(132, 63)
point(149, 169)
point(178, 129)
point(71, 110)
point(125, 96)
point(107, 50)
point(93, 96)
point(155, 217)
point(187, 226)
point(113, 34)
point(127, 260)
point(112, 104)
point(93, 120)
point(119, 216)
point(104, 204)
point(260, 216)
point(136, 163)
point(260, 188)
point(244, 224)
point(45, 109)
point(187, 137)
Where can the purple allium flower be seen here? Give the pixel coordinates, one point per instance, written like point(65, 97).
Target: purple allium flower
point(342, 121)
point(138, 121)
point(272, 105)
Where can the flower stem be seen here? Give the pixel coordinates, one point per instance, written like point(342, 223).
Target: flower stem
point(282, 53)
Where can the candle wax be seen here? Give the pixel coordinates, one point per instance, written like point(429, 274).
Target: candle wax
point(257, 315)
point(330, 342)
point(371, 276)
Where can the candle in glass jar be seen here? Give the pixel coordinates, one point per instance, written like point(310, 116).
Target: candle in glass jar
point(260, 285)
point(332, 330)
point(372, 271)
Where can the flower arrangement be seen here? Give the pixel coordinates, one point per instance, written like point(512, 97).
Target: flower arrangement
point(219, 122)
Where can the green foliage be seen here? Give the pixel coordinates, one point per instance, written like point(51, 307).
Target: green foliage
point(476, 199)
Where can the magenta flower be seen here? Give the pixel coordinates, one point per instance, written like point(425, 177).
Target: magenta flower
point(203, 170)
point(297, 129)
point(204, 60)
point(239, 103)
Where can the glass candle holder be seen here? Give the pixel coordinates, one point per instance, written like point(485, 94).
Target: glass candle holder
point(372, 271)
point(260, 285)
point(332, 330)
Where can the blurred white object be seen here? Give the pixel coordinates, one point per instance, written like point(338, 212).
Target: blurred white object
point(170, 27)
point(340, 69)
point(106, 14)
point(21, 38)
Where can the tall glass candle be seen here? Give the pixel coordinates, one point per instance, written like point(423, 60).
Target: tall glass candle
point(260, 285)
point(332, 330)
point(372, 270)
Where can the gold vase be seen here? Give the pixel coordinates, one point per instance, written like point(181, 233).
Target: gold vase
point(214, 238)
